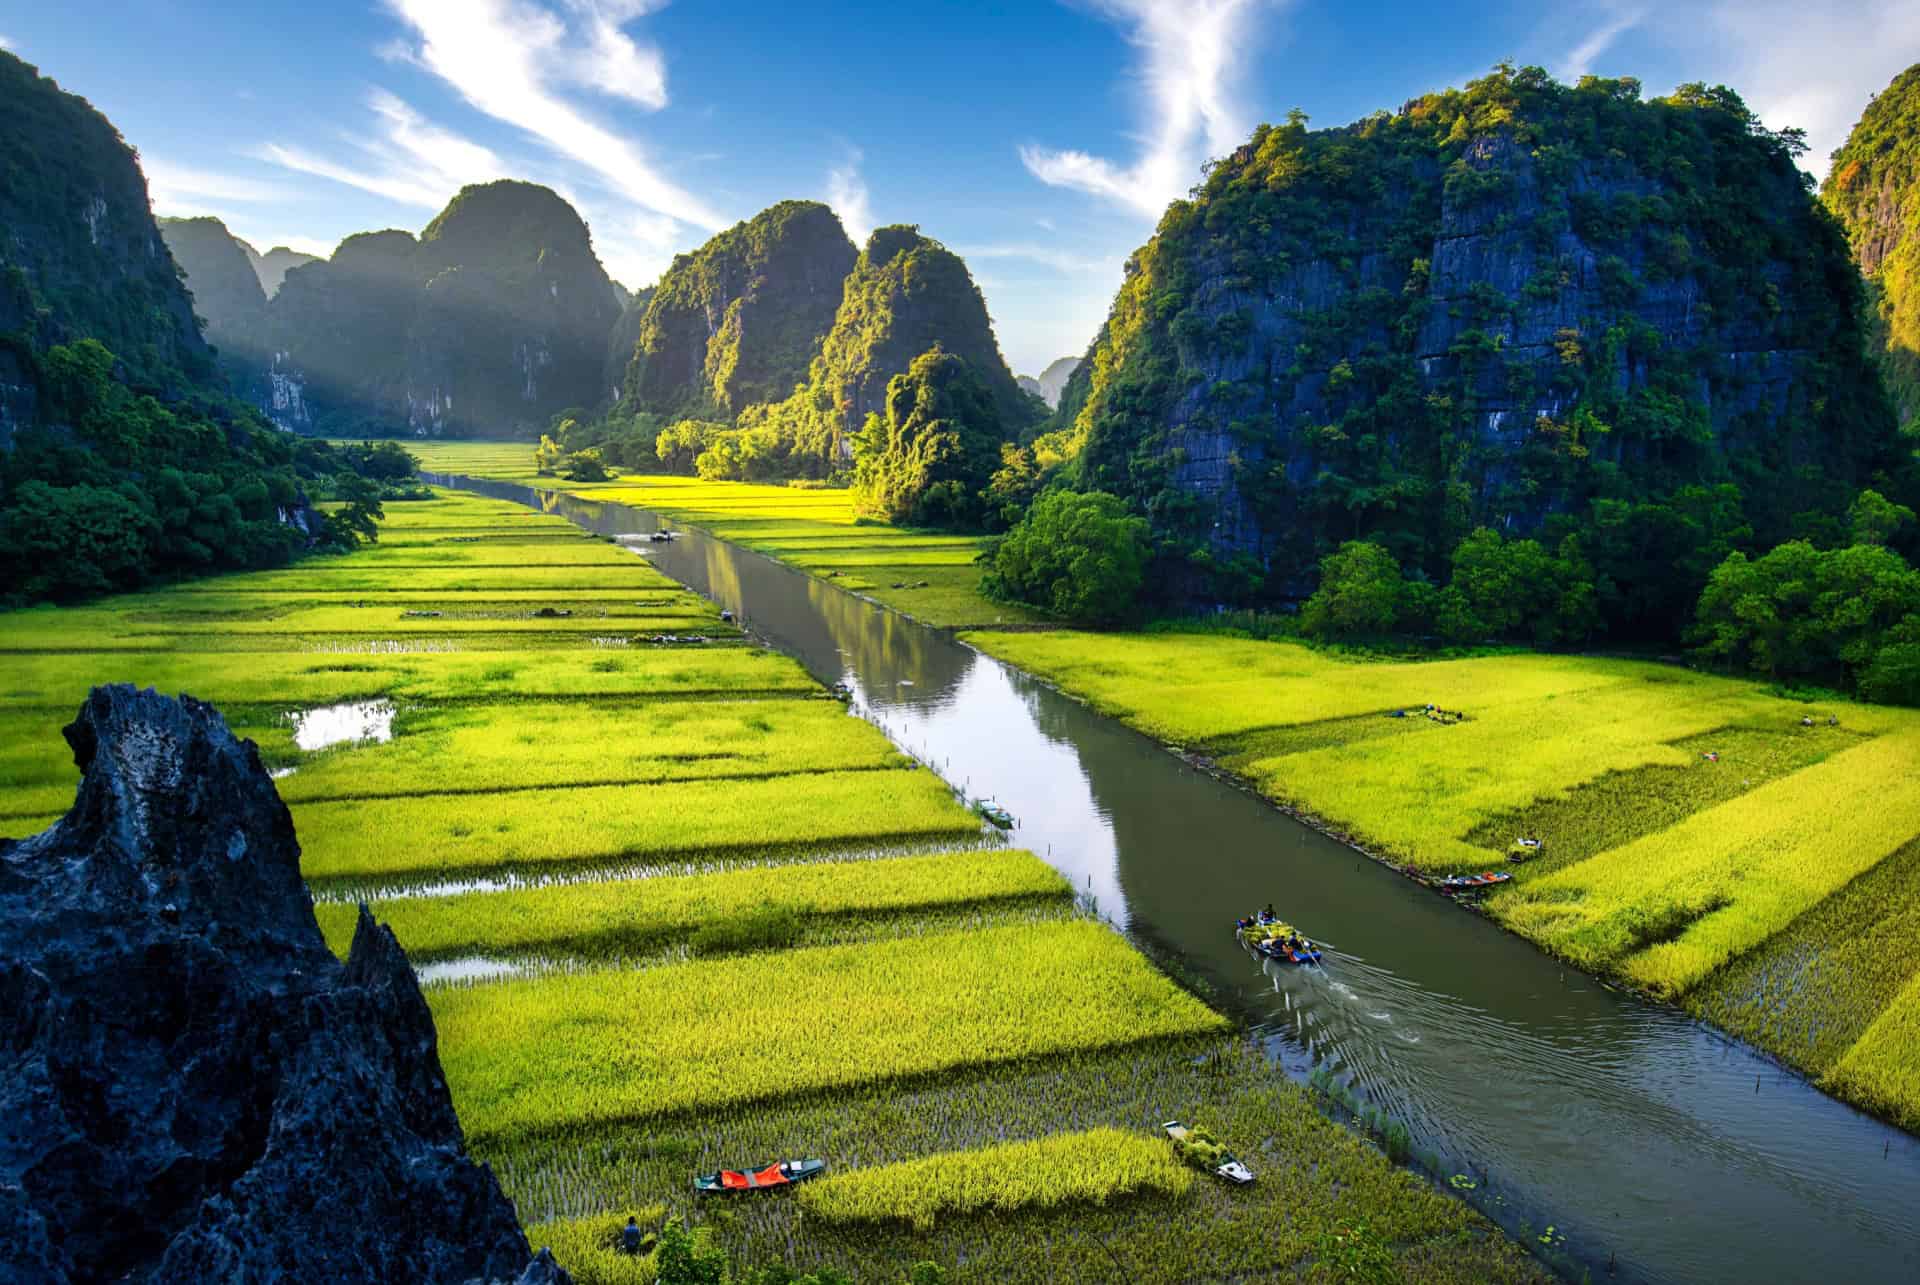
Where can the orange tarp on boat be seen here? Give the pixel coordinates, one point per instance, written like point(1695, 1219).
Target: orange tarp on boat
point(769, 1177)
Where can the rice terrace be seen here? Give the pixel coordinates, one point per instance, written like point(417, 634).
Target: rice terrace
point(593, 729)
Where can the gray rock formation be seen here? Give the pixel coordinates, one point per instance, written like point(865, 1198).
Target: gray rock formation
point(194, 1088)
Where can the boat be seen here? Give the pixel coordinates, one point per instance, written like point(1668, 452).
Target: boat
point(993, 814)
point(733, 1182)
point(1485, 879)
point(841, 691)
point(1197, 1147)
point(1269, 938)
point(662, 537)
point(1524, 850)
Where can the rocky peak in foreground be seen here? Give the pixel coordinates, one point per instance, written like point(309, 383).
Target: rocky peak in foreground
point(194, 1088)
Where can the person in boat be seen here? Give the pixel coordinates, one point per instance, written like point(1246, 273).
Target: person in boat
point(630, 1237)
point(1267, 916)
point(1807, 721)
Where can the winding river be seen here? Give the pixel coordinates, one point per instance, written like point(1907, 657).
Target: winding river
point(1655, 1148)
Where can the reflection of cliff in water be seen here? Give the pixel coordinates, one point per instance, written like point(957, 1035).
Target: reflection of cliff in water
point(877, 646)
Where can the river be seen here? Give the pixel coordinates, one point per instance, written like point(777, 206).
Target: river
point(1656, 1148)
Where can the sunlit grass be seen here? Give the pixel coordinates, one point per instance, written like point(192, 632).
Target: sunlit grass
point(528, 830)
point(560, 1052)
point(630, 916)
point(1065, 1170)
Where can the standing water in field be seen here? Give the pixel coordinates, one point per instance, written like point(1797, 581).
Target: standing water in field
point(1639, 1135)
point(348, 724)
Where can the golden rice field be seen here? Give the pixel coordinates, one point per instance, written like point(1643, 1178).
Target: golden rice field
point(929, 576)
point(706, 917)
point(1700, 843)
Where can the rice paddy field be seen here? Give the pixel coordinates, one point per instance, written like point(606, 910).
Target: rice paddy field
point(678, 909)
point(930, 576)
point(1700, 840)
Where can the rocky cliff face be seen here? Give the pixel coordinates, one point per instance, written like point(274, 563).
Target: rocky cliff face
point(272, 267)
point(1874, 190)
point(907, 294)
point(80, 255)
point(493, 320)
point(1051, 382)
point(1498, 306)
point(226, 290)
point(737, 321)
point(194, 1088)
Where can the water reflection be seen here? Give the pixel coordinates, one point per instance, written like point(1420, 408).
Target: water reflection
point(1633, 1130)
point(349, 723)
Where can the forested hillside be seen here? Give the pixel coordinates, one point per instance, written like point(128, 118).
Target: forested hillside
point(1617, 325)
point(1874, 189)
point(122, 457)
point(495, 318)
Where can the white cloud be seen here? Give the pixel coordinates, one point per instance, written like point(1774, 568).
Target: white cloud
point(1580, 59)
point(180, 189)
point(404, 158)
point(292, 241)
point(847, 194)
point(1064, 262)
point(506, 57)
point(5, 43)
point(1807, 63)
point(1191, 54)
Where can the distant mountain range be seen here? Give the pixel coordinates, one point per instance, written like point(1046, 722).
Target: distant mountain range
point(1052, 381)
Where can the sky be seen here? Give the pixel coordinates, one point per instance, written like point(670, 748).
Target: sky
point(1040, 140)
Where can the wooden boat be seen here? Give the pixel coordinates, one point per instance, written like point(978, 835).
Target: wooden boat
point(734, 1182)
point(662, 537)
point(1462, 883)
point(1269, 938)
point(1227, 1168)
point(993, 814)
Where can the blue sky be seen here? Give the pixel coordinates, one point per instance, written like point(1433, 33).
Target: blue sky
point(1038, 139)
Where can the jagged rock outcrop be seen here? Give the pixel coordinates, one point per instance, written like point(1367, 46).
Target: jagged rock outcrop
point(907, 294)
point(226, 290)
point(80, 255)
point(491, 322)
point(1507, 306)
point(1874, 190)
point(1053, 380)
point(194, 1089)
point(737, 321)
point(272, 267)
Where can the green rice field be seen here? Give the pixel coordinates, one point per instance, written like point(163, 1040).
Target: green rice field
point(1700, 842)
point(692, 913)
point(927, 575)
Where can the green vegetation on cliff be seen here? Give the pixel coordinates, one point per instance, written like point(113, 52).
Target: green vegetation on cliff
point(1563, 312)
point(906, 295)
point(737, 321)
point(122, 459)
point(493, 321)
point(1874, 190)
point(227, 294)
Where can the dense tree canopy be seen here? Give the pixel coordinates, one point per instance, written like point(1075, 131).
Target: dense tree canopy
point(927, 455)
point(1077, 554)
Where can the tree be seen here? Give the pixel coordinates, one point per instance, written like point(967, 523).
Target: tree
point(1802, 612)
point(359, 514)
point(929, 453)
point(1077, 554)
point(73, 542)
point(1874, 519)
point(1361, 594)
point(1517, 589)
point(688, 1257)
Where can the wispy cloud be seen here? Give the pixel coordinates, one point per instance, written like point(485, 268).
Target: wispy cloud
point(1619, 20)
point(263, 242)
point(178, 189)
point(512, 59)
point(847, 194)
point(1807, 63)
point(5, 43)
point(1064, 262)
point(1190, 58)
point(404, 158)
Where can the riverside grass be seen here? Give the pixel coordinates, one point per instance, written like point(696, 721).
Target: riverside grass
point(931, 576)
point(1087, 1168)
point(633, 915)
point(1747, 886)
point(1314, 1177)
point(563, 1051)
point(553, 707)
point(524, 831)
